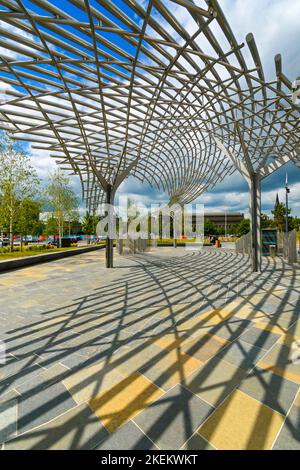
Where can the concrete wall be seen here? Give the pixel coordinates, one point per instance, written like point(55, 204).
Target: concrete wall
point(42, 258)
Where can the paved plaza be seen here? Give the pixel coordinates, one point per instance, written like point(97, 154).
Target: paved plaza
point(171, 349)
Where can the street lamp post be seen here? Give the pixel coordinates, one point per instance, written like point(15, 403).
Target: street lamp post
point(287, 191)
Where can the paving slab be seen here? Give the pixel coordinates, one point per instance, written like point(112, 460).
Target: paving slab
point(88, 382)
point(260, 338)
point(271, 389)
point(197, 442)
point(122, 401)
point(172, 419)
point(8, 419)
point(128, 437)
point(215, 380)
point(242, 423)
point(241, 354)
point(170, 369)
point(181, 340)
point(77, 429)
point(284, 361)
point(289, 435)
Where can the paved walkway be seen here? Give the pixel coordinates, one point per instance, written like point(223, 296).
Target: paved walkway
point(172, 350)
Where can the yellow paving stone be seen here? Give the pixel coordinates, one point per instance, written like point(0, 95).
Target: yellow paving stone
point(204, 322)
point(205, 344)
point(294, 330)
point(203, 347)
point(88, 382)
point(288, 340)
point(174, 367)
point(254, 315)
point(170, 340)
point(283, 360)
point(175, 308)
point(128, 361)
point(124, 400)
point(287, 374)
point(192, 325)
point(54, 372)
point(244, 311)
point(215, 316)
point(273, 328)
point(297, 400)
point(52, 321)
point(242, 423)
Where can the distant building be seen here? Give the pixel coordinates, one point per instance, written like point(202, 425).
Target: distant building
point(220, 219)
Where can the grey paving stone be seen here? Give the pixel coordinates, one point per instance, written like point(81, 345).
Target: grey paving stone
point(8, 419)
point(173, 418)
point(215, 380)
point(54, 374)
point(241, 354)
point(18, 373)
point(260, 338)
point(30, 346)
point(73, 360)
point(17, 367)
point(49, 358)
point(231, 328)
point(128, 437)
point(39, 405)
point(289, 436)
point(78, 429)
point(271, 389)
point(9, 395)
point(197, 442)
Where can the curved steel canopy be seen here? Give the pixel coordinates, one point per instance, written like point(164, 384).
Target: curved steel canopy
point(113, 92)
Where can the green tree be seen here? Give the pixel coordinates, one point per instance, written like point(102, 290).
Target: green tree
point(61, 199)
point(72, 219)
point(294, 223)
point(279, 214)
point(266, 221)
point(89, 224)
point(18, 182)
point(233, 229)
point(243, 227)
point(210, 228)
point(28, 218)
point(51, 226)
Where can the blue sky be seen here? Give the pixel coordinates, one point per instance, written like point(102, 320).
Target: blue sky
point(275, 25)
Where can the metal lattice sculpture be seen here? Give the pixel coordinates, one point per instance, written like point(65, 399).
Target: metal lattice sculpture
point(112, 92)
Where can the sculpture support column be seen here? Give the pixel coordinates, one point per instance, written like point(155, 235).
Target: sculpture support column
point(174, 229)
point(255, 210)
point(109, 240)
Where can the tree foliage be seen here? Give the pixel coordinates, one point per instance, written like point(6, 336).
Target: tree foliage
point(18, 183)
point(243, 227)
point(29, 218)
point(279, 214)
point(89, 224)
point(61, 199)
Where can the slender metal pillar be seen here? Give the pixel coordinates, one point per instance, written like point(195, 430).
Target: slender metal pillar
point(109, 241)
point(174, 229)
point(287, 191)
point(255, 210)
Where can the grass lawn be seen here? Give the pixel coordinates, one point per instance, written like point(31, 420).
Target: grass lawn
point(32, 252)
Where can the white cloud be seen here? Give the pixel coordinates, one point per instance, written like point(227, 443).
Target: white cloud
point(42, 162)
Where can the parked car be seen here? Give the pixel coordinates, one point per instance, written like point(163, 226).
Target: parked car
point(4, 241)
